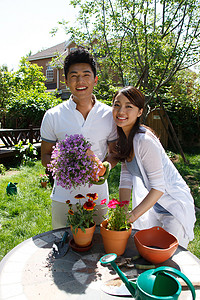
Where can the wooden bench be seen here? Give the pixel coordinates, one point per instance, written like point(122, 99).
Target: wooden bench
point(10, 137)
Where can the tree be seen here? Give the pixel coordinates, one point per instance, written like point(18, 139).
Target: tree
point(23, 96)
point(182, 100)
point(29, 76)
point(146, 42)
point(6, 90)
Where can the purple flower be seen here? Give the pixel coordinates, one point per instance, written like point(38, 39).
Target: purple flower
point(70, 165)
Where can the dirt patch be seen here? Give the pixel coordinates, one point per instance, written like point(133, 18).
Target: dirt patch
point(9, 173)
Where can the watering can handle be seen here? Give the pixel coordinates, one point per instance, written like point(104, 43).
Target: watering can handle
point(179, 274)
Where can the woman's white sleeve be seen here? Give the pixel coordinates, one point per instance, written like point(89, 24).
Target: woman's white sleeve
point(151, 158)
point(126, 179)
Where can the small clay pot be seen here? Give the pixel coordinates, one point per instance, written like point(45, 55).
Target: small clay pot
point(43, 184)
point(84, 239)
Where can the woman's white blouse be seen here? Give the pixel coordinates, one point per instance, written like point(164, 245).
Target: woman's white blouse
point(158, 172)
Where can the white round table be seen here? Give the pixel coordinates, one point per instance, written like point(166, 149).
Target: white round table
point(29, 271)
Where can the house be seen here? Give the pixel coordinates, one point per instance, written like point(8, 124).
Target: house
point(54, 71)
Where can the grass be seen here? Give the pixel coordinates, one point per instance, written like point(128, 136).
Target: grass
point(191, 174)
point(26, 214)
point(29, 212)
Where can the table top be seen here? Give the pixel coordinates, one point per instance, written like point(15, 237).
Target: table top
point(30, 272)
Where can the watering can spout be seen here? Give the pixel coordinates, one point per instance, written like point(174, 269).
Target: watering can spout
point(110, 258)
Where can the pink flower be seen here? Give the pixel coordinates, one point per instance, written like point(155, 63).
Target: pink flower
point(103, 201)
point(117, 215)
point(113, 203)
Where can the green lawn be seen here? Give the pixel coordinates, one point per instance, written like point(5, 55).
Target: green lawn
point(26, 214)
point(29, 212)
point(191, 174)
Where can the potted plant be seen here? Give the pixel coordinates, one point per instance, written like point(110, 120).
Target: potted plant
point(81, 220)
point(115, 229)
point(73, 163)
point(44, 179)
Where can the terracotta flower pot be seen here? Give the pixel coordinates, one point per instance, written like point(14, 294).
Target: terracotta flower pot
point(155, 244)
point(114, 241)
point(43, 184)
point(84, 239)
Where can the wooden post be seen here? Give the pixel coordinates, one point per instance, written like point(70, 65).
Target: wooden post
point(174, 133)
point(31, 134)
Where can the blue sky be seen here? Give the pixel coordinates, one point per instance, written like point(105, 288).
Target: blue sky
point(25, 27)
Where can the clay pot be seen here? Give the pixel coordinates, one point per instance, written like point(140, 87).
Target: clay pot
point(84, 239)
point(155, 244)
point(98, 162)
point(102, 169)
point(114, 241)
point(43, 184)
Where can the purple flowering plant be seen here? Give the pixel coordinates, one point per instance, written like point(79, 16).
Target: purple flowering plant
point(70, 165)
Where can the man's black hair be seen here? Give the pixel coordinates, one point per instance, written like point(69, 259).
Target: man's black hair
point(77, 56)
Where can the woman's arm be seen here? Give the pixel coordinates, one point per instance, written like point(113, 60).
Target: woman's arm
point(124, 194)
point(152, 197)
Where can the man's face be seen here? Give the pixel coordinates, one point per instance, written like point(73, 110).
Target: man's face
point(81, 81)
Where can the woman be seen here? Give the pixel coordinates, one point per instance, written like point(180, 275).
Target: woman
point(160, 195)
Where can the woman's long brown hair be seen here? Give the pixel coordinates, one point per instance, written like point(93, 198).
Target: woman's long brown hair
point(124, 146)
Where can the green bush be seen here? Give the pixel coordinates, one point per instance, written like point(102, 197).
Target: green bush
point(28, 107)
point(2, 169)
point(26, 154)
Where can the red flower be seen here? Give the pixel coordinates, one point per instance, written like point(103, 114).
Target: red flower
point(79, 196)
point(71, 212)
point(68, 201)
point(92, 196)
point(125, 202)
point(89, 205)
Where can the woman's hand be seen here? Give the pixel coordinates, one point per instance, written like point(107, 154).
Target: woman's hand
point(152, 197)
point(131, 217)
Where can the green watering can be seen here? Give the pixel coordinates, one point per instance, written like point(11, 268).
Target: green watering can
point(11, 188)
point(152, 284)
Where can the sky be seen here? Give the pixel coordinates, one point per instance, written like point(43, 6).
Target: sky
point(25, 26)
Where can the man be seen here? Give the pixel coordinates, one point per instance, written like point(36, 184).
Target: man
point(81, 114)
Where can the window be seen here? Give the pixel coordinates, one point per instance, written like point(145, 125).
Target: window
point(49, 73)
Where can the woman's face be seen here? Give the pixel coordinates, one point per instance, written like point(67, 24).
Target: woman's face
point(125, 113)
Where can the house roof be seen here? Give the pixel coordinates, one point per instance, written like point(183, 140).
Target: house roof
point(50, 52)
